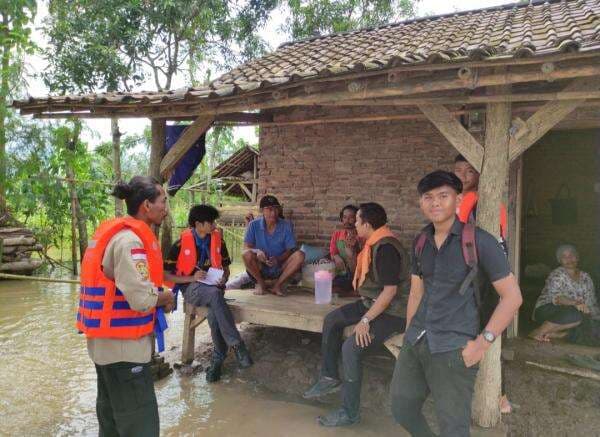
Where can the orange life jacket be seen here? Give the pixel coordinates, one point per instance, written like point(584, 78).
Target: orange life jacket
point(188, 253)
point(468, 205)
point(103, 310)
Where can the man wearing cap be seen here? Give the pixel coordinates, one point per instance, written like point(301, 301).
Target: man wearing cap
point(269, 246)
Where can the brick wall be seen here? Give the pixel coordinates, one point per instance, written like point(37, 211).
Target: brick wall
point(316, 169)
point(570, 157)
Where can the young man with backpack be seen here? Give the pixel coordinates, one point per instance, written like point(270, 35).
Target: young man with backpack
point(445, 338)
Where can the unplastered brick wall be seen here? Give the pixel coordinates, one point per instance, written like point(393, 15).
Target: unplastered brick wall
point(316, 169)
point(570, 159)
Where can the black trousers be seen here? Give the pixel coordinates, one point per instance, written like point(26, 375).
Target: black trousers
point(418, 372)
point(559, 314)
point(381, 328)
point(126, 403)
point(222, 325)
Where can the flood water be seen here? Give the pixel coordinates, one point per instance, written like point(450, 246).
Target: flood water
point(48, 383)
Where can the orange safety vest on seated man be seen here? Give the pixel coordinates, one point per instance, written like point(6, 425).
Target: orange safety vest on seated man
point(188, 253)
point(103, 310)
point(467, 208)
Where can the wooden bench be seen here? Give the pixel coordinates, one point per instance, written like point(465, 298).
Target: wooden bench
point(295, 311)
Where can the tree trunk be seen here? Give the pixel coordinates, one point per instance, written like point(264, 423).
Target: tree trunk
point(73, 235)
point(116, 160)
point(4, 110)
point(494, 177)
point(78, 219)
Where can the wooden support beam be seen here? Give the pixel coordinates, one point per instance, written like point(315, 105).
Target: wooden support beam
point(186, 140)
point(445, 82)
point(469, 100)
point(494, 175)
point(549, 115)
point(157, 149)
point(455, 133)
point(245, 190)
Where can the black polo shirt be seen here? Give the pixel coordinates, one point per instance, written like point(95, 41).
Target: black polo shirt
point(448, 318)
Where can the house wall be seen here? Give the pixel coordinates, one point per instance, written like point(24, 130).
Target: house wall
point(563, 157)
point(316, 169)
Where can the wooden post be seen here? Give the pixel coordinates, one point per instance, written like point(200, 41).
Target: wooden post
point(157, 151)
point(254, 179)
point(494, 175)
point(515, 204)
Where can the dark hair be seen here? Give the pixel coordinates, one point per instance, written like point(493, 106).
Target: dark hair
point(268, 200)
point(437, 179)
point(460, 158)
point(134, 193)
point(373, 213)
point(202, 213)
point(352, 208)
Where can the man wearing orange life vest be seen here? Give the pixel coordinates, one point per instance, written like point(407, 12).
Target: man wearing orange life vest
point(121, 288)
point(192, 262)
point(467, 211)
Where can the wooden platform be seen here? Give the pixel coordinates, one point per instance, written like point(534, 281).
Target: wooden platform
point(295, 311)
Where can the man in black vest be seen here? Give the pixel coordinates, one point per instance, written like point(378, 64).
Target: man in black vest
point(444, 342)
point(381, 277)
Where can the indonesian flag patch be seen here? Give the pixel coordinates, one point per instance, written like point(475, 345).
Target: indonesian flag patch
point(138, 254)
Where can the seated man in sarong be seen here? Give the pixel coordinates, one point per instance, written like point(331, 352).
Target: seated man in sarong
point(269, 249)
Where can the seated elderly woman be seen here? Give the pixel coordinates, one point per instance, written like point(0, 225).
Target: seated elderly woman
point(566, 297)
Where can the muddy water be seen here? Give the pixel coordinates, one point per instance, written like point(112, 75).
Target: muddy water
point(48, 383)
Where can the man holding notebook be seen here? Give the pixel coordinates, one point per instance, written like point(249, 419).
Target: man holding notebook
point(198, 265)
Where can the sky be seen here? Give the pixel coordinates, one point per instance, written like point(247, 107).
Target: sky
point(98, 130)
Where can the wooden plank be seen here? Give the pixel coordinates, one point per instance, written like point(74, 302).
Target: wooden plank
point(515, 205)
point(189, 336)
point(584, 373)
point(455, 133)
point(549, 115)
point(245, 189)
point(492, 183)
point(470, 100)
point(187, 139)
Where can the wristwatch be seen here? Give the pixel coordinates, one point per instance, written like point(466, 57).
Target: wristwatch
point(365, 320)
point(488, 336)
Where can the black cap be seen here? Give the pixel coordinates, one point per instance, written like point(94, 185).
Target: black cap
point(269, 200)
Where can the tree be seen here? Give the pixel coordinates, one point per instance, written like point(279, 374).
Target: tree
point(16, 16)
point(321, 17)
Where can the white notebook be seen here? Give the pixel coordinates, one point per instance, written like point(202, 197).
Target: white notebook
point(213, 276)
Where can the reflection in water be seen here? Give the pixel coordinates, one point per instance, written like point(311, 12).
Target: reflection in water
point(48, 383)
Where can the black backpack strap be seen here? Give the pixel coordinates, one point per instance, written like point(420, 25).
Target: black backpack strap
point(419, 245)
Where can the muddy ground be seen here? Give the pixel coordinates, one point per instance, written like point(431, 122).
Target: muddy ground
point(546, 403)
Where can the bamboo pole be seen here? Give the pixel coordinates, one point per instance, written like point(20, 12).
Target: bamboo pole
point(590, 374)
point(37, 278)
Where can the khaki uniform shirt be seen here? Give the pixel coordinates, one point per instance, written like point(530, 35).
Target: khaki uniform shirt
point(131, 277)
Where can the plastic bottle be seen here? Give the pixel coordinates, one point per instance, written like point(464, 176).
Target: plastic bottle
point(323, 281)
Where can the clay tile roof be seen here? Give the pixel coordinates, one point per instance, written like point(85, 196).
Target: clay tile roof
point(534, 29)
point(538, 28)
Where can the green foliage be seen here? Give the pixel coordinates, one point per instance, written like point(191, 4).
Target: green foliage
point(117, 44)
point(16, 17)
point(321, 17)
point(38, 154)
